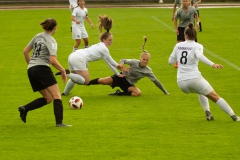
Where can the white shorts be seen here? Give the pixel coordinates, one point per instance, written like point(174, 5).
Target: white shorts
point(199, 85)
point(77, 62)
point(79, 32)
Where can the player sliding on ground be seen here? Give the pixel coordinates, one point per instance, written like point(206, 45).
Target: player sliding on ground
point(127, 80)
point(189, 78)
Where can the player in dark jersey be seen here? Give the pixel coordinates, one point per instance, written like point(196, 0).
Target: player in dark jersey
point(195, 5)
point(40, 74)
point(127, 80)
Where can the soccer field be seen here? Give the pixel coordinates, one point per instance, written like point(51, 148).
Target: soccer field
point(150, 127)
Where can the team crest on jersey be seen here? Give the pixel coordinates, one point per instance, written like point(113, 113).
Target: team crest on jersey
point(54, 46)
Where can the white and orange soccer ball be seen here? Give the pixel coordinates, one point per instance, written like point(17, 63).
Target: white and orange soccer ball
point(76, 102)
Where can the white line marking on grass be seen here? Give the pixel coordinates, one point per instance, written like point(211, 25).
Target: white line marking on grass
point(208, 51)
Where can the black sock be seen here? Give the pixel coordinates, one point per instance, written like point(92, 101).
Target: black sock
point(200, 25)
point(125, 93)
point(37, 103)
point(94, 81)
point(58, 110)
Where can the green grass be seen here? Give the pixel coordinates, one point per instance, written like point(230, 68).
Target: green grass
point(153, 126)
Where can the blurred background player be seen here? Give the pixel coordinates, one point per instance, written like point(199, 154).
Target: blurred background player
point(138, 70)
point(195, 4)
point(189, 78)
point(184, 14)
point(78, 29)
point(40, 74)
point(177, 3)
point(73, 4)
point(78, 60)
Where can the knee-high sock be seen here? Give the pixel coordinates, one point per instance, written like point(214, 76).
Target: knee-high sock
point(37, 103)
point(93, 81)
point(69, 87)
point(204, 102)
point(225, 106)
point(58, 110)
point(76, 78)
point(200, 26)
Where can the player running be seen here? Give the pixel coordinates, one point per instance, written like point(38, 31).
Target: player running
point(189, 78)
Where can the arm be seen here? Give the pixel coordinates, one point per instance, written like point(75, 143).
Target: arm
point(173, 11)
point(176, 26)
point(159, 85)
point(57, 65)
point(171, 60)
point(113, 68)
point(26, 51)
point(197, 19)
point(75, 20)
point(196, 3)
point(89, 21)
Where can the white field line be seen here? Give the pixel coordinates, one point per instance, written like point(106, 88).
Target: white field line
point(206, 50)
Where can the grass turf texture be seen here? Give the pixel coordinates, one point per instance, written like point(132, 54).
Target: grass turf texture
point(153, 126)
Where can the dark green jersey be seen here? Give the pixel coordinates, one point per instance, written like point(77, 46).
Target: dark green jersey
point(44, 46)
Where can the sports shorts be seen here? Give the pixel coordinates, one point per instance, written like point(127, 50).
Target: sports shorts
point(77, 62)
point(198, 85)
point(41, 77)
point(121, 82)
point(79, 32)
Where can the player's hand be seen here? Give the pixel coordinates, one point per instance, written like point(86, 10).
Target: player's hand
point(217, 66)
point(92, 25)
point(124, 69)
point(177, 33)
point(64, 76)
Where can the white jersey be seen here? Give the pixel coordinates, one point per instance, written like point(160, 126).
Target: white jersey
point(73, 3)
point(80, 15)
point(186, 54)
point(96, 52)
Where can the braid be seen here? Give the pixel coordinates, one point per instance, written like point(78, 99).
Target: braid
point(144, 42)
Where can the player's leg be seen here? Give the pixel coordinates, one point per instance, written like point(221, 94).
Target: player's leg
point(84, 37)
point(85, 42)
point(76, 35)
point(134, 91)
point(180, 38)
point(205, 105)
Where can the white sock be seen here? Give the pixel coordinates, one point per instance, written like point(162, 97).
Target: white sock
point(204, 102)
point(69, 87)
point(225, 107)
point(76, 78)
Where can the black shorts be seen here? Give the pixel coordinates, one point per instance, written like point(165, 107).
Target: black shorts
point(180, 36)
point(121, 82)
point(41, 77)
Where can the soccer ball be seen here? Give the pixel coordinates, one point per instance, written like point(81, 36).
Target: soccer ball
point(76, 102)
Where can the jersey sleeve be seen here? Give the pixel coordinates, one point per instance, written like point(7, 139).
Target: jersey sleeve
point(127, 61)
point(173, 57)
point(52, 48)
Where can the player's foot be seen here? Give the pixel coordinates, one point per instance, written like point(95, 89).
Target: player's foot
point(64, 94)
point(116, 93)
point(66, 70)
point(235, 118)
point(71, 29)
point(23, 113)
point(176, 65)
point(63, 125)
point(209, 116)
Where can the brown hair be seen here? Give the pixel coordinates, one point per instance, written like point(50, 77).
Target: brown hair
point(49, 24)
point(191, 32)
point(106, 23)
point(144, 51)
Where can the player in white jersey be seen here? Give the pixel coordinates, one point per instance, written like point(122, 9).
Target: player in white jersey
point(195, 5)
point(78, 29)
point(40, 74)
point(189, 78)
point(78, 60)
point(138, 70)
point(73, 4)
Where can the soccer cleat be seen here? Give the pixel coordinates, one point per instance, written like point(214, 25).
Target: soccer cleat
point(209, 116)
point(64, 94)
point(63, 125)
point(66, 70)
point(23, 113)
point(176, 65)
point(235, 118)
point(116, 93)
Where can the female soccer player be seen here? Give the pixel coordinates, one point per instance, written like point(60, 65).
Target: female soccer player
point(189, 78)
point(185, 14)
point(138, 70)
point(78, 60)
point(40, 74)
point(195, 4)
point(78, 29)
